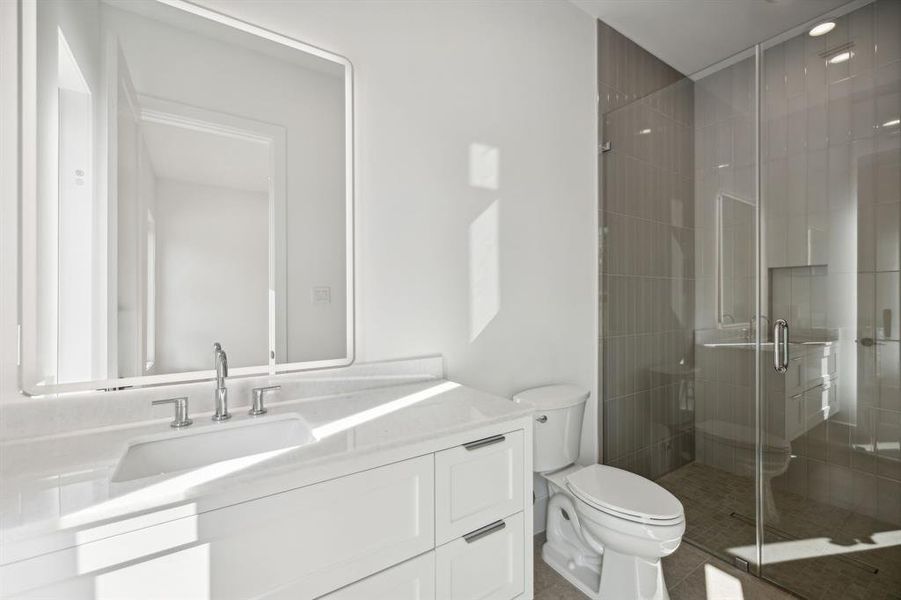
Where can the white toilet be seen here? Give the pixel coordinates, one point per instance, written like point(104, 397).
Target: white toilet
point(607, 528)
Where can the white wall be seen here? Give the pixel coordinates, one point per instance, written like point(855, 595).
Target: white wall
point(9, 214)
point(212, 282)
point(432, 79)
point(309, 104)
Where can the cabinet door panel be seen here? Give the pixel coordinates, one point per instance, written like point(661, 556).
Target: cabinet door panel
point(412, 580)
point(311, 540)
point(477, 483)
point(487, 568)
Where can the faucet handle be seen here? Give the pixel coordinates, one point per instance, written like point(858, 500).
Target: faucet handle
point(257, 407)
point(181, 411)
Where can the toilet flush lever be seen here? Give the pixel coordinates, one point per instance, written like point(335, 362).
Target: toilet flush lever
point(542, 419)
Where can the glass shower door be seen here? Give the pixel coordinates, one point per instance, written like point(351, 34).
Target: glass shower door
point(829, 457)
point(679, 281)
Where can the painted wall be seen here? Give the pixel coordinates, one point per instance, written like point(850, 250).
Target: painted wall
point(432, 80)
point(211, 243)
point(309, 104)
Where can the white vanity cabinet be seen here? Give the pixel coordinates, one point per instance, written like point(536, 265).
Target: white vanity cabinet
point(485, 565)
point(477, 483)
point(411, 580)
point(452, 523)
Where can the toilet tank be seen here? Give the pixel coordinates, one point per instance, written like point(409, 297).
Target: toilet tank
point(558, 424)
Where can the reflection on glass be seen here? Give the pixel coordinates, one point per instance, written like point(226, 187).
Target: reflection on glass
point(736, 266)
point(191, 188)
point(811, 459)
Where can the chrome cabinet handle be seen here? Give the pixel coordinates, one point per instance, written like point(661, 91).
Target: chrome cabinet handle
point(488, 441)
point(181, 411)
point(542, 419)
point(484, 531)
point(780, 345)
point(257, 408)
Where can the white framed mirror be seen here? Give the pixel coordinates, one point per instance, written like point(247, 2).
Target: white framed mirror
point(735, 261)
point(187, 178)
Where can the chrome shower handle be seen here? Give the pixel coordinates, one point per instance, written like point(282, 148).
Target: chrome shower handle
point(780, 345)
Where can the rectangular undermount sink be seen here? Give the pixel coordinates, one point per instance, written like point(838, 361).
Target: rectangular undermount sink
point(209, 444)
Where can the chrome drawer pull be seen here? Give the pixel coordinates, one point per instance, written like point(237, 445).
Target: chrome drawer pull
point(495, 439)
point(483, 531)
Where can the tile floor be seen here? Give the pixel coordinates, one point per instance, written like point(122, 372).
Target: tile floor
point(719, 510)
point(690, 574)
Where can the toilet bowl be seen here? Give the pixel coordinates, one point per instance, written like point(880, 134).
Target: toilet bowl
point(634, 523)
point(740, 444)
point(607, 529)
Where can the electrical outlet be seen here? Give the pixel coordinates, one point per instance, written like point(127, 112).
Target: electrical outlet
point(322, 295)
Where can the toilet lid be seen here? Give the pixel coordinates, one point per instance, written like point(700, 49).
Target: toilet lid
point(624, 494)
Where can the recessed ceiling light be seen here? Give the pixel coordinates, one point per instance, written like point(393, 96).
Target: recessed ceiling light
point(840, 58)
point(644, 132)
point(821, 28)
point(892, 123)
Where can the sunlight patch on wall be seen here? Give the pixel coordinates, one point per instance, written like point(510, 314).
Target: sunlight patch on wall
point(484, 166)
point(484, 270)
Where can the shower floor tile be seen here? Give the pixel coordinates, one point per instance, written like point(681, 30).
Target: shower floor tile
point(865, 560)
point(691, 574)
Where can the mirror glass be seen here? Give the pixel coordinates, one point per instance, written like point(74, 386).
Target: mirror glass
point(191, 185)
point(736, 267)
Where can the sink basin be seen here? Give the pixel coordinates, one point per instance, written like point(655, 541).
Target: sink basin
point(183, 450)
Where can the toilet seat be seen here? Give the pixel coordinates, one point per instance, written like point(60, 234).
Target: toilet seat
point(625, 495)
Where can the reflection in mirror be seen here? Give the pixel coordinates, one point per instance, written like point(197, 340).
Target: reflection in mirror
point(191, 185)
point(736, 265)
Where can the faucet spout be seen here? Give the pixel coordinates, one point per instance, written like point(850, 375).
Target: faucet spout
point(220, 395)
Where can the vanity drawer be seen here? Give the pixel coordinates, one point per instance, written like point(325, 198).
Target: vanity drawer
point(412, 580)
point(477, 483)
point(484, 565)
point(795, 376)
point(795, 416)
point(298, 544)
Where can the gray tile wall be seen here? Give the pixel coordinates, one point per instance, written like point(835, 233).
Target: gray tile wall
point(725, 165)
point(832, 190)
point(647, 262)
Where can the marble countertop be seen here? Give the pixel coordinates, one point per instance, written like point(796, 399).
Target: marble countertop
point(56, 490)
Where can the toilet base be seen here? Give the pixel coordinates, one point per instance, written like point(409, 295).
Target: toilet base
point(631, 577)
point(586, 578)
point(624, 576)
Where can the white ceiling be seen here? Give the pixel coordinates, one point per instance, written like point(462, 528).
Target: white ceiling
point(193, 156)
point(692, 34)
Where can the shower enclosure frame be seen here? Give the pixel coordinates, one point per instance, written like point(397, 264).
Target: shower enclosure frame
point(760, 285)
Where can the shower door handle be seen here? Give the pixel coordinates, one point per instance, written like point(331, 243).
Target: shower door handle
point(780, 345)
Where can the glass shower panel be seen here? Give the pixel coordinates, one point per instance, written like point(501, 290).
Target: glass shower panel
point(679, 285)
point(831, 167)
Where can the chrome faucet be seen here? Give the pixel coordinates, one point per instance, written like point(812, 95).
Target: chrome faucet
point(181, 411)
point(220, 395)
